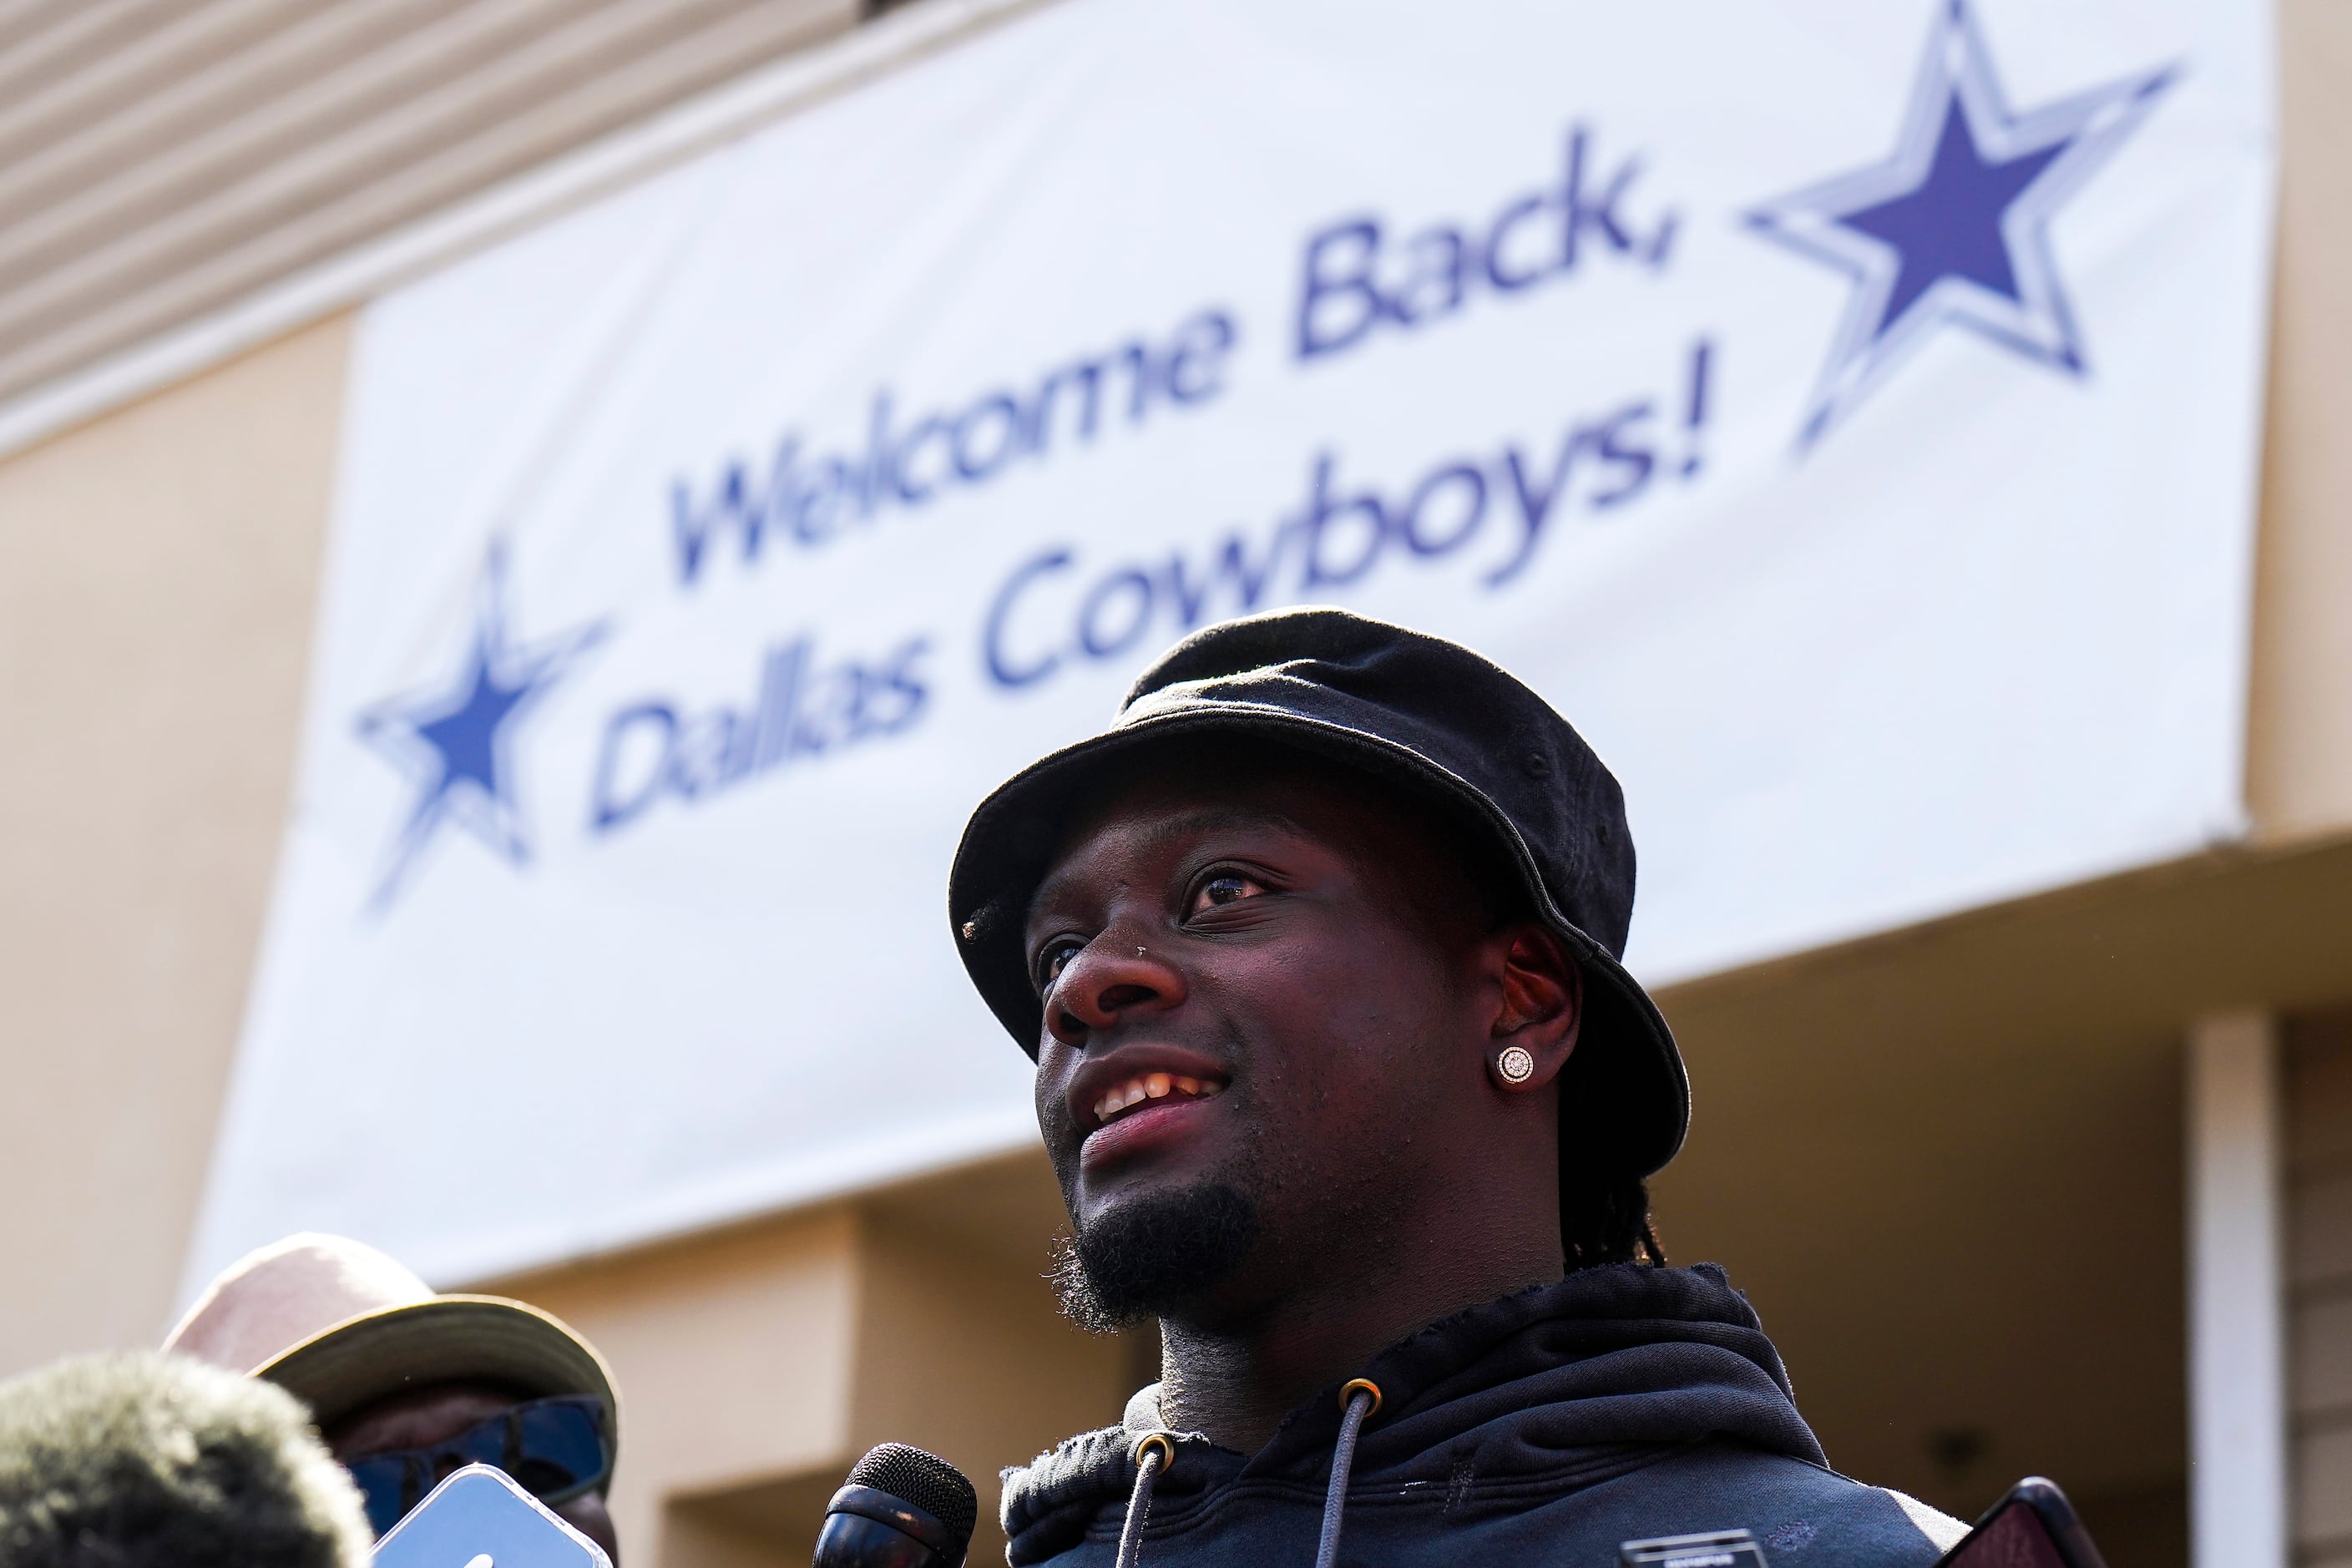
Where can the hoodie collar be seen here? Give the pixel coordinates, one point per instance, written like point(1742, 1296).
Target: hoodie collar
point(1557, 1383)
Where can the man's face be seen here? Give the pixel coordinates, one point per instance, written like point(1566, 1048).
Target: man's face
point(1266, 1014)
point(428, 1417)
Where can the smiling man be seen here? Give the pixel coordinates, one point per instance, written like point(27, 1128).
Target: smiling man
point(1316, 950)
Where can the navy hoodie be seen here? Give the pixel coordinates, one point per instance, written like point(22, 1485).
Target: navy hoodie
point(1624, 1403)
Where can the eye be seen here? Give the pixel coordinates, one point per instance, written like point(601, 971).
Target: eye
point(1053, 958)
point(1225, 888)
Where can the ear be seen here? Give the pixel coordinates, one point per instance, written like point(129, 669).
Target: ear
point(1533, 1029)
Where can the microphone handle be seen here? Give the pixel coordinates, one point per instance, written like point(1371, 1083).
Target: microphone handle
point(853, 1541)
point(865, 1527)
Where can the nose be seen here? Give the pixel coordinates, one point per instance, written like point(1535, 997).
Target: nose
point(1106, 981)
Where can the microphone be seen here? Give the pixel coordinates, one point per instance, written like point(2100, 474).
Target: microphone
point(902, 1508)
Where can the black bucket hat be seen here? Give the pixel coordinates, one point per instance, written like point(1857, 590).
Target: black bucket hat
point(1427, 715)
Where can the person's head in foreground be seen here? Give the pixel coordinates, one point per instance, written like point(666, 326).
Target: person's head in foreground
point(1316, 950)
point(408, 1386)
point(151, 1461)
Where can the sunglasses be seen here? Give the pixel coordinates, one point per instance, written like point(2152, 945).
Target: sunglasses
point(553, 1449)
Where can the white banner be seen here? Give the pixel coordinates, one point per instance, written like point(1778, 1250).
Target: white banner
point(1845, 413)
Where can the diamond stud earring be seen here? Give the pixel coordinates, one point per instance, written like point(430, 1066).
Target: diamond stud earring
point(1517, 1065)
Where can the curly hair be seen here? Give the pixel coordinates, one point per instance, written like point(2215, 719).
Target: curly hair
point(1605, 1217)
point(137, 1460)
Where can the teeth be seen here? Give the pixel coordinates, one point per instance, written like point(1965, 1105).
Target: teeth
point(1152, 1086)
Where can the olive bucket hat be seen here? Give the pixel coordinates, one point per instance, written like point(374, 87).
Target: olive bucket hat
point(1433, 719)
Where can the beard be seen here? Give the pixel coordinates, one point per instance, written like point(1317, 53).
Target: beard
point(1145, 1258)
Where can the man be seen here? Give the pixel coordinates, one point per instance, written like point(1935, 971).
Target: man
point(407, 1386)
point(149, 1461)
point(1316, 950)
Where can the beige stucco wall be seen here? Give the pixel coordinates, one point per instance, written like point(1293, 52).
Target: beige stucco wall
point(2299, 742)
point(734, 1355)
point(962, 1350)
point(157, 569)
point(756, 1365)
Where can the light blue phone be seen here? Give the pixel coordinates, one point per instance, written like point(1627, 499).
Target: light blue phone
point(480, 1519)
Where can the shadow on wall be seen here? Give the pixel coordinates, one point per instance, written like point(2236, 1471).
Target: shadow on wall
point(2145, 1529)
point(766, 1524)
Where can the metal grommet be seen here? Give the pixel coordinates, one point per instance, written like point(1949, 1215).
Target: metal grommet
point(1365, 1385)
point(1163, 1441)
point(1517, 1065)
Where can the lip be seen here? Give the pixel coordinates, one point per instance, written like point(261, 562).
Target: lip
point(1165, 1122)
point(1158, 1121)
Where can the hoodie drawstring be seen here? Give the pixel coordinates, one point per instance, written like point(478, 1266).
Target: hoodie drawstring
point(1357, 1403)
point(1154, 1452)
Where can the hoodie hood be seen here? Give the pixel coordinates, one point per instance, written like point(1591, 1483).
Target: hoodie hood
point(1552, 1389)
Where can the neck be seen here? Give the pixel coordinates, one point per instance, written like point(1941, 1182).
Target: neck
point(1234, 1366)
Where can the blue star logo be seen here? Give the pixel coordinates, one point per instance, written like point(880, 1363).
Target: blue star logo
point(455, 738)
point(1954, 226)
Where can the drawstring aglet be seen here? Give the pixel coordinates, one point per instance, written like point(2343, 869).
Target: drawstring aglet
point(1153, 1453)
point(1358, 1401)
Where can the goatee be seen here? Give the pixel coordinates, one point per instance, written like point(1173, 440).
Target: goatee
point(1147, 1257)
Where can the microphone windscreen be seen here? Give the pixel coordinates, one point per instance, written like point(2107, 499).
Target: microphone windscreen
point(928, 1481)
